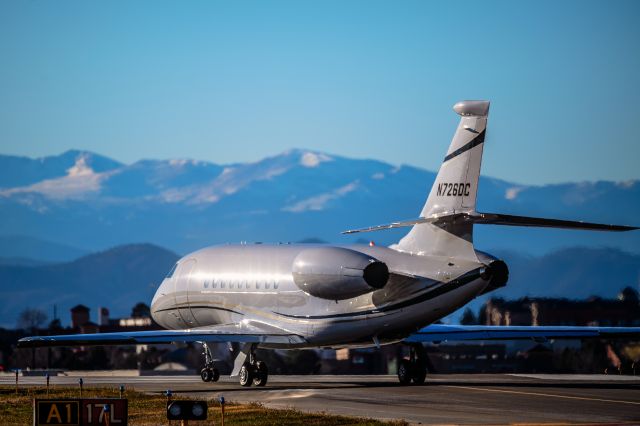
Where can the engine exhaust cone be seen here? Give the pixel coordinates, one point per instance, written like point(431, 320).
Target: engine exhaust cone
point(376, 274)
point(498, 273)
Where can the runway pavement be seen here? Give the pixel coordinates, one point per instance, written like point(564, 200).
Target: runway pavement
point(444, 399)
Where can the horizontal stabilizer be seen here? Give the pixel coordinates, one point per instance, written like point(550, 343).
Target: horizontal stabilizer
point(498, 219)
point(442, 333)
point(511, 220)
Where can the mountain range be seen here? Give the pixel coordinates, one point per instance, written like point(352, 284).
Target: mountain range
point(117, 278)
point(89, 202)
point(60, 216)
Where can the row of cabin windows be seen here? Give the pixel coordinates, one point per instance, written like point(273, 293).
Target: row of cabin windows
point(240, 285)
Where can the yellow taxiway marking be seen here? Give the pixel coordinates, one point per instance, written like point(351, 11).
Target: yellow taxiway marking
point(549, 395)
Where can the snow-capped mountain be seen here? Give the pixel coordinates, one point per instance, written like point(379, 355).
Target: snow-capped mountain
point(92, 202)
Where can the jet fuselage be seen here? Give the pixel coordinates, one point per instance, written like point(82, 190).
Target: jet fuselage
point(255, 283)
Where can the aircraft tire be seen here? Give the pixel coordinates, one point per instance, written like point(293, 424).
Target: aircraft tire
point(246, 375)
point(215, 374)
point(206, 374)
point(404, 372)
point(418, 373)
point(261, 374)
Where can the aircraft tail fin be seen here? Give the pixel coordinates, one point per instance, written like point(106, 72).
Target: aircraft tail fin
point(445, 225)
point(456, 185)
point(454, 190)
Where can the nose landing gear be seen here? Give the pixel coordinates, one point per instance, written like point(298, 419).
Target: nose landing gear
point(209, 373)
point(414, 369)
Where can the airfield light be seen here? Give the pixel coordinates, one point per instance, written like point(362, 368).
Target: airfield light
point(106, 409)
point(221, 399)
point(197, 410)
point(187, 410)
point(80, 383)
point(121, 391)
point(175, 410)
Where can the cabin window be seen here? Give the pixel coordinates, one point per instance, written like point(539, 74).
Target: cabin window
point(247, 285)
point(170, 274)
point(214, 284)
point(266, 285)
point(206, 284)
point(275, 285)
point(257, 285)
point(221, 284)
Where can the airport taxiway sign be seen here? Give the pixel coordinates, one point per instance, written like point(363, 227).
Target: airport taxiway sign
point(79, 412)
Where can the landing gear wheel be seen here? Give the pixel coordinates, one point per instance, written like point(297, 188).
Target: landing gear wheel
point(206, 374)
point(418, 373)
point(414, 369)
point(246, 375)
point(404, 372)
point(209, 373)
point(261, 374)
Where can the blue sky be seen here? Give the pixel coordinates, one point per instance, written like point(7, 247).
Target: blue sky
point(238, 81)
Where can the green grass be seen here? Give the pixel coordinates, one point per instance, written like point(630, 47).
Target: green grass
point(149, 409)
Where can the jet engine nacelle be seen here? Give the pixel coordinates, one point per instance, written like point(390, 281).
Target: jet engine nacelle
point(497, 273)
point(336, 273)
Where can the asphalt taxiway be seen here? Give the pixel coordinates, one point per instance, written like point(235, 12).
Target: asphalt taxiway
point(444, 399)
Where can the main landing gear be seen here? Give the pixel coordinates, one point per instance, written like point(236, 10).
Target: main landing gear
point(253, 372)
point(414, 369)
point(246, 366)
point(209, 373)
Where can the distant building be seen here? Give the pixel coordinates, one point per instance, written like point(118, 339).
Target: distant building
point(141, 310)
point(79, 316)
point(89, 328)
point(140, 320)
point(358, 361)
point(103, 316)
point(622, 312)
point(471, 358)
point(141, 317)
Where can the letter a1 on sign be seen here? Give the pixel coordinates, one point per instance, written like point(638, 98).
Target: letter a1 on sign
point(56, 412)
point(80, 412)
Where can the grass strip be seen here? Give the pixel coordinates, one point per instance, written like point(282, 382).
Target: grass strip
point(150, 409)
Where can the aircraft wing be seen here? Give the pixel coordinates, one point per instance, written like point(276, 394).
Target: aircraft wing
point(441, 333)
point(398, 224)
point(242, 333)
